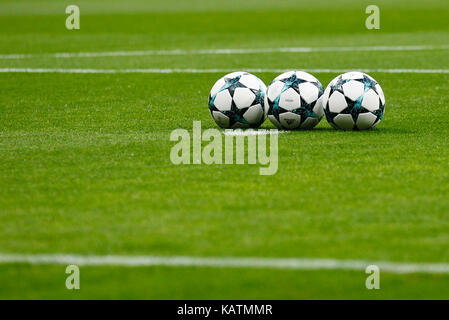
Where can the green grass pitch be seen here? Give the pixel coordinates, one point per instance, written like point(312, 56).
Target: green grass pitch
point(85, 165)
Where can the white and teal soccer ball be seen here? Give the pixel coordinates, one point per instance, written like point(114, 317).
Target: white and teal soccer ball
point(354, 101)
point(294, 100)
point(238, 100)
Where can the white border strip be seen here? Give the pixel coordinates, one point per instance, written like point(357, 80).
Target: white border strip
point(179, 70)
point(221, 51)
point(223, 262)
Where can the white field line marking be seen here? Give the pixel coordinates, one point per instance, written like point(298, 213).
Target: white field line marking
point(249, 132)
point(179, 70)
point(223, 262)
point(221, 51)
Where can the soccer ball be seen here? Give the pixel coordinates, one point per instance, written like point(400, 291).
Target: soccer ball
point(294, 100)
point(353, 101)
point(238, 100)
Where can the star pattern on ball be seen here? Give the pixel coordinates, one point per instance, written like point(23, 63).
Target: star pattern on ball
point(338, 85)
point(259, 96)
point(231, 84)
point(211, 103)
point(305, 110)
point(379, 113)
point(292, 82)
point(368, 83)
point(235, 114)
point(354, 108)
point(273, 107)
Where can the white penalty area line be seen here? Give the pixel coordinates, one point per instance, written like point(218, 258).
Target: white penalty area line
point(222, 51)
point(223, 262)
point(178, 70)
